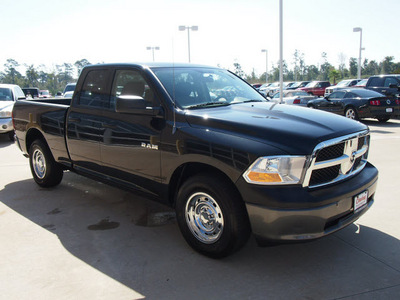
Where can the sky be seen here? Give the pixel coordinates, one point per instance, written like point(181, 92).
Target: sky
point(51, 32)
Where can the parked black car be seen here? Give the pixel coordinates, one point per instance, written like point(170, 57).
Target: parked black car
point(357, 104)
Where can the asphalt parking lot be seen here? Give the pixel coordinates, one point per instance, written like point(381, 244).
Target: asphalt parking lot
point(86, 240)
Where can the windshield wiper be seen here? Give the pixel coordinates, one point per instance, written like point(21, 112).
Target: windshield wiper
point(209, 104)
point(247, 101)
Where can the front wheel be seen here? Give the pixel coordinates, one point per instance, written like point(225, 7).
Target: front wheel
point(11, 135)
point(211, 216)
point(45, 170)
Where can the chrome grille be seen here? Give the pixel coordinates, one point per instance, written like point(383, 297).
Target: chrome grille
point(337, 159)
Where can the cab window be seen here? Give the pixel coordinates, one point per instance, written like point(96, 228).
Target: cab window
point(389, 81)
point(94, 91)
point(131, 83)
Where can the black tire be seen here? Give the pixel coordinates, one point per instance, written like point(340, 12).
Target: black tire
point(383, 119)
point(351, 113)
point(11, 135)
point(222, 227)
point(45, 170)
point(311, 106)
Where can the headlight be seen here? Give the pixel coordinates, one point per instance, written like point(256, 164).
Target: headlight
point(5, 113)
point(276, 170)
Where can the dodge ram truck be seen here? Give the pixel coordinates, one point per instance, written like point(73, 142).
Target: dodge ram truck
point(205, 142)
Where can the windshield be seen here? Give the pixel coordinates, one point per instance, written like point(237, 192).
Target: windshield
point(343, 83)
point(69, 87)
point(362, 82)
point(5, 94)
point(312, 84)
point(296, 84)
point(275, 84)
point(201, 87)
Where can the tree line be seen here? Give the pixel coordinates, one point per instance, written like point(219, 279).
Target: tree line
point(324, 71)
point(55, 80)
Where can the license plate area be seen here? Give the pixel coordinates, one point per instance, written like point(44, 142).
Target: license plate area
point(389, 110)
point(360, 201)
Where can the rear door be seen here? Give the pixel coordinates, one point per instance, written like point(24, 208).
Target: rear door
point(85, 119)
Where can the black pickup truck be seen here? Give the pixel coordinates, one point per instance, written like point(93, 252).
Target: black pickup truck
point(204, 141)
point(388, 85)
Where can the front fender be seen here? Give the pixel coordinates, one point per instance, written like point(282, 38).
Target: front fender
point(230, 154)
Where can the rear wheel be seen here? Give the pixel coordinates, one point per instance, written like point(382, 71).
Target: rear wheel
point(211, 216)
point(45, 170)
point(351, 113)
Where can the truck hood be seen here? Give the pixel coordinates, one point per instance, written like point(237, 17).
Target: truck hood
point(295, 130)
point(4, 104)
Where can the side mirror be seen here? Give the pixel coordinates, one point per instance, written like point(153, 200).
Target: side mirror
point(393, 86)
point(131, 104)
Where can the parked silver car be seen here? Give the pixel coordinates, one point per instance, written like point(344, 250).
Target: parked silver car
point(344, 84)
point(294, 97)
point(9, 93)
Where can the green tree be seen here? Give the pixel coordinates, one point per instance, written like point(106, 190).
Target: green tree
point(238, 69)
point(32, 76)
point(11, 74)
point(370, 67)
point(80, 64)
point(333, 75)
point(324, 68)
point(312, 73)
point(353, 66)
point(387, 65)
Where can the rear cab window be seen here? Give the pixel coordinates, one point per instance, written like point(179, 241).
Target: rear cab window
point(95, 89)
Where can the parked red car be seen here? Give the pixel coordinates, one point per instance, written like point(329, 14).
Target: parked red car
point(316, 88)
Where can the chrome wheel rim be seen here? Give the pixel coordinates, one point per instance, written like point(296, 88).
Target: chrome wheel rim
point(39, 164)
point(351, 114)
point(204, 218)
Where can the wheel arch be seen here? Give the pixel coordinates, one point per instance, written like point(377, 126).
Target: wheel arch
point(190, 169)
point(357, 116)
point(32, 135)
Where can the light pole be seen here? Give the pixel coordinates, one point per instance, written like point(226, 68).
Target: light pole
point(193, 28)
point(359, 29)
point(280, 51)
point(152, 49)
point(266, 57)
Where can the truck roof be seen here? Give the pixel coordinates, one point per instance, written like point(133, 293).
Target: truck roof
point(151, 65)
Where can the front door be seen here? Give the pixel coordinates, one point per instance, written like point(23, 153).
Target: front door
point(129, 141)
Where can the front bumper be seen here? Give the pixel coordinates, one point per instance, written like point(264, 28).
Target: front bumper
point(292, 213)
point(6, 125)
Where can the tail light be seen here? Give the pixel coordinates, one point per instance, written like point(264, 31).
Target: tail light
point(375, 102)
point(296, 101)
point(397, 101)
